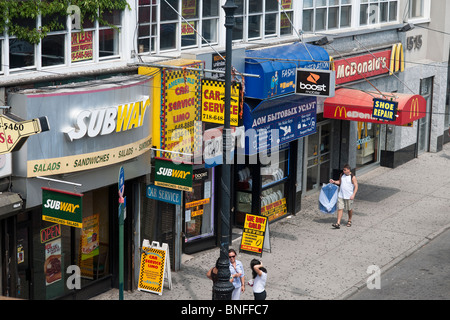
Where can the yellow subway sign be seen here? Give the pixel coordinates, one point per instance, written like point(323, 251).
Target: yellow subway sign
point(62, 207)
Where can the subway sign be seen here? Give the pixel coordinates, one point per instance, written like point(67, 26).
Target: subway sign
point(62, 207)
point(174, 175)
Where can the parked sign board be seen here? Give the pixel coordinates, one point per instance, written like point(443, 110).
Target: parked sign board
point(253, 233)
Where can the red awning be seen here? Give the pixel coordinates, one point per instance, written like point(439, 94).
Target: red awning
point(356, 105)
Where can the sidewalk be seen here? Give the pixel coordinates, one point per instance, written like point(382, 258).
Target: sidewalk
point(396, 212)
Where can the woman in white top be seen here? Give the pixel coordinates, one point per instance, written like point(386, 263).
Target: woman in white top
point(259, 279)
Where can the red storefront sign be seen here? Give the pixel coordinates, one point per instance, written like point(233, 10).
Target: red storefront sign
point(368, 65)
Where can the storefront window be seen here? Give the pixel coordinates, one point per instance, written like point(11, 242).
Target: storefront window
point(318, 152)
point(367, 144)
point(199, 206)
point(256, 20)
point(377, 11)
point(56, 247)
point(326, 15)
point(1, 55)
point(271, 189)
point(109, 37)
point(162, 24)
point(53, 48)
point(21, 54)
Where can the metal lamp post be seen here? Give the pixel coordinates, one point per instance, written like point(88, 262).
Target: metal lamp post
point(223, 288)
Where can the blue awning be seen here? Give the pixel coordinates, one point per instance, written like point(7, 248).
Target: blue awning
point(277, 76)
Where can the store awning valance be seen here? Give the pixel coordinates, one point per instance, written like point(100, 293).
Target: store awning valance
point(10, 203)
point(355, 105)
point(276, 68)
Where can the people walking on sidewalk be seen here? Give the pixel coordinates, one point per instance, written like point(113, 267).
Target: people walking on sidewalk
point(237, 275)
point(213, 274)
point(348, 186)
point(259, 279)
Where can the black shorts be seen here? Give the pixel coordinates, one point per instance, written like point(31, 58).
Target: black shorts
point(260, 295)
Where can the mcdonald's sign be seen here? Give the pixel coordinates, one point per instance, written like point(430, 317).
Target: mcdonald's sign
point(369, 65)
point(397, 59)
point(414, 110)
point(341, 111)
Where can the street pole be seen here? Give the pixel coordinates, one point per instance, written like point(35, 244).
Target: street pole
point(223, 288)
point(122, 212)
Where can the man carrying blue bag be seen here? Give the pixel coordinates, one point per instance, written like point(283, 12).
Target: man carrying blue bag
point(328, 198)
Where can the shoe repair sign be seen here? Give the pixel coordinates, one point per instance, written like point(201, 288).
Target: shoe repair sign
point(253, 234)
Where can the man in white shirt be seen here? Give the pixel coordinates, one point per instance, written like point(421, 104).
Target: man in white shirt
point(348, 186)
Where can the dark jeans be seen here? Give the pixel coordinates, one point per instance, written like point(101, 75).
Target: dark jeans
point(260, 296)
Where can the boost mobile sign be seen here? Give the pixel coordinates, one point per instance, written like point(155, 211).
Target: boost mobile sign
point(311, 82)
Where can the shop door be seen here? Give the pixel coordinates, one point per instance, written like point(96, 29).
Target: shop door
point(424, 124)
point(317, 162)
point(23, 250)
point(166, 230)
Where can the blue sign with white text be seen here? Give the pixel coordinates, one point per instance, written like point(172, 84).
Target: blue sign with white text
point(278, 121)
point(164, 194)
point(384, 109)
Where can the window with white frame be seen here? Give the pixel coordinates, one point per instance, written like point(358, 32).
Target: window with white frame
point(1, 54)
point(321, 15)
point(416, 8)
point(51, 50)
point(377, 11)
point(174, 24)
point(261, 19)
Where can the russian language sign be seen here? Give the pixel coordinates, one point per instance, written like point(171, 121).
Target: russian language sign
point(62, 207)
point(253, 234)
point(291, 117)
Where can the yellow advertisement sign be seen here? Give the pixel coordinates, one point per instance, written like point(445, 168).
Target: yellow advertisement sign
point(81, 44)
point(180, 110)
point(275, 209)
point(253, 234)
point(151, 273)
point(89, 237)
point(213, 102)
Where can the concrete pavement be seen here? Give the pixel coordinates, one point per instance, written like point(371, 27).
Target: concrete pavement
point(396, 212)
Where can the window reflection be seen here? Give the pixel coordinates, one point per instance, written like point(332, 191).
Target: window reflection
point(53, 50)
